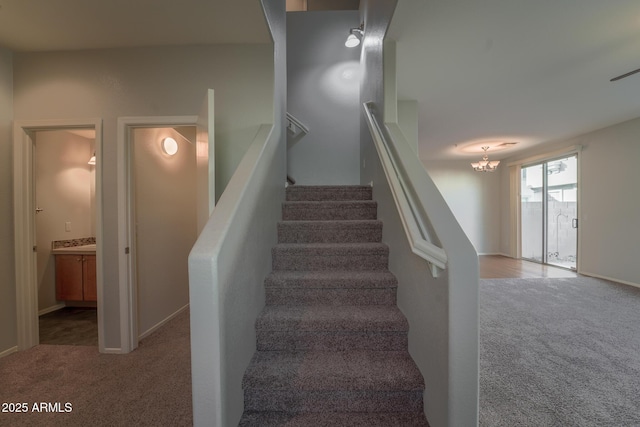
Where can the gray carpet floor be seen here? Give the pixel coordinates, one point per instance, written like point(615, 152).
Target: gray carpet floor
point(553, 352)
point(559, 352)
point(150, 386)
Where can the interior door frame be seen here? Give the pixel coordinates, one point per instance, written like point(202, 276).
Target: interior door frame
point(24, 224)
point(126, 259)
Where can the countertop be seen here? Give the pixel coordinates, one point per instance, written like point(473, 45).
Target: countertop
point(76, 250)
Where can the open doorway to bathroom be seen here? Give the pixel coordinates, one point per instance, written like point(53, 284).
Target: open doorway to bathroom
point(65, 230)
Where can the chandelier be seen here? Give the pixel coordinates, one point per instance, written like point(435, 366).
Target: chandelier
point(485, 165)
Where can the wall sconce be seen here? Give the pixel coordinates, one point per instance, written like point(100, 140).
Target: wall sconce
point(92, 160)
point(169, 146)
point(352, 39)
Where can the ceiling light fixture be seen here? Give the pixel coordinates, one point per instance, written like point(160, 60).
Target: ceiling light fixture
point(352, 39)
point(169, 146)
point(485, 165)
point(92, 160)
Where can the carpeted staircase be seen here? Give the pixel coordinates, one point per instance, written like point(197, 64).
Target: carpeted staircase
point(331, 342)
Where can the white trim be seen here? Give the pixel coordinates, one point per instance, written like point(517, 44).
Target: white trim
point(24, 232)
point(51, 309)
point(8, 351)
point(126, 264)
point(162, 323)
point(112, 350)
point(540, 158)
point(611, 279)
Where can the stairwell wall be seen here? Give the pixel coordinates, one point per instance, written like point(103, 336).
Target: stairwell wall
point(324, 94)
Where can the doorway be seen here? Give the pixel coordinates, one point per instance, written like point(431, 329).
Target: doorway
point(27, 295)
point(65, 230)
point(549, 212)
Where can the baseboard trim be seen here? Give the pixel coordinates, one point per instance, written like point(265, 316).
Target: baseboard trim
point(611, 279)
point(51, 309)
point(112, 351)
point(161, 323)
point(493, 254)
point(8, 351)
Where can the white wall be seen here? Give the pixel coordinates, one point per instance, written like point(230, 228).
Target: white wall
point(8, 332)
point(163, 81)
point(609, 206)
point(64, 182)
point(323, 80)
point(474, 198)
point(166, 224)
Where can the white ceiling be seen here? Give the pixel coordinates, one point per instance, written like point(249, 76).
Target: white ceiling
point(530, 71)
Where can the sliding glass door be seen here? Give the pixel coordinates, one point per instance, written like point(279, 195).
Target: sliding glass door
point(549, 212)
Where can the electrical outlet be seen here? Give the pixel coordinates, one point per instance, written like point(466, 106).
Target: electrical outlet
point(67, 226)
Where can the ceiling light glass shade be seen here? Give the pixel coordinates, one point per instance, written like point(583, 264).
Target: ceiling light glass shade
point(169, 146)
point(485, 165)
point(352, 41)
point(92, 160)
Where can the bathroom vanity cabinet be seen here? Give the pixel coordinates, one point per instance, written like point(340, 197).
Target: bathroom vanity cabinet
point(76, 276)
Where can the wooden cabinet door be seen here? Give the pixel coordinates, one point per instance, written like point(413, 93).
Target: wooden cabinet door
point(69, 272)
point(89, 275)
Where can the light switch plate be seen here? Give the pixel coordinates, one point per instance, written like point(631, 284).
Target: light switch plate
point(67, 226)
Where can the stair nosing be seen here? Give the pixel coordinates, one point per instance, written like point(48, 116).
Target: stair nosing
point(311, 364)
point(349, 318)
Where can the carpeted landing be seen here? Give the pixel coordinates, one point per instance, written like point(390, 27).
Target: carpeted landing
point(331, 342)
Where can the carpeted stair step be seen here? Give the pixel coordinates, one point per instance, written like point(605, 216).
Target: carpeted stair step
point(333, 381)
point(331, 328)
point(333, 419)
point(330, 256)
point(331, 342)
point(328, 192)
point(329, 231)
point(329, 210)
point(331, 288)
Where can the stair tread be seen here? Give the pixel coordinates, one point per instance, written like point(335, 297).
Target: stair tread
point(375, 318)
point(327, 231)
point(331, 223)
point(331, 419)
point(331, 279)
point(375, 247)
point(324, 192)
point(333, 371)
point(328, 203)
